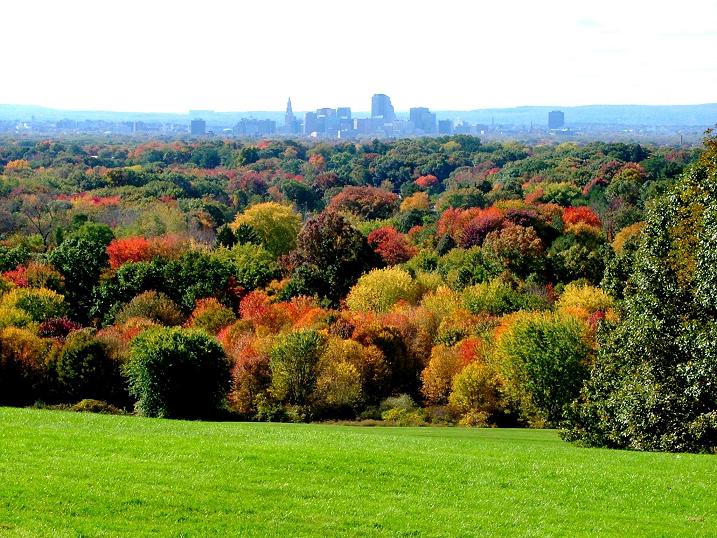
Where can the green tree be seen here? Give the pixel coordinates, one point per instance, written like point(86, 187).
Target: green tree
point(652, 387)
point(293, 361)
point(544, 358)
point(178, 373)
point(276, 224)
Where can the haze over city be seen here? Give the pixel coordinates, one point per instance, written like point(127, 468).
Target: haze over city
point(175, 56)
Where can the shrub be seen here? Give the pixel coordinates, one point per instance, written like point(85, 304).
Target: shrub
point(444, 364)
point(293, 361)
point(365, 202)
point(403, 402)
point(211, 315)
point(57, 327)
point(96, 406)
point(475, 394)
point(14, 317)
point(338, 384)
point(418, 200)
point(83, 370)
point(23, 374)
point(380, 289)
point(39, 303)
point(573, 215)
point(151, 305)
point(393, 246)
point(177, 373)
point(277, 225)
point(586, 297)
point(253, 265)
point(128, 249)
point(401, 417)
point(497, 297)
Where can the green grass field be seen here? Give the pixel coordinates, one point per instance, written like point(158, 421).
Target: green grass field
point(71, 474)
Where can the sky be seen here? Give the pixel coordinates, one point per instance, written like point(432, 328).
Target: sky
point(173, 56)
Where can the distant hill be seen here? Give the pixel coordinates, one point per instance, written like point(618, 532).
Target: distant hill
point(704, 115)
point(674, 115)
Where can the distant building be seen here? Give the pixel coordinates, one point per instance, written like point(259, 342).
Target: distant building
point(198, 127)
point(291, 124)
point(445, 127)
point(343, 113)
point(310, 123)
point(462, 127)
point(250, 127)
point(556, 119)
point(423, 120)
point(363, 126)
point(381, 107)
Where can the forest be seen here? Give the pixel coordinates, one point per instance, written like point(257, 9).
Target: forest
point(418, 281)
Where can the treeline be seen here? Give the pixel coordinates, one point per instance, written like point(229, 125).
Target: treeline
point(437, 280)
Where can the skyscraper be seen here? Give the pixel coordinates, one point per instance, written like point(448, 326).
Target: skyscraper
point(310, 123)
point(424, 121)
point(556, 119)
point(198, 127)
point(289, 118)
point(445, 127)
point(381, 107)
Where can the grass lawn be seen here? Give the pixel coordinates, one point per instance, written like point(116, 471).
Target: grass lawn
point(71, 474)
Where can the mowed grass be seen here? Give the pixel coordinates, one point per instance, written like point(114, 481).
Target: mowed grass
point(68, 474)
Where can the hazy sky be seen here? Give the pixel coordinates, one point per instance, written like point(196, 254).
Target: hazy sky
point(156, 55)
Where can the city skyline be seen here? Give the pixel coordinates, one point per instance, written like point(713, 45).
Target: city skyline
point(171, 57)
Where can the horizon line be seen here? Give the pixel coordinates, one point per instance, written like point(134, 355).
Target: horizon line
point(280, 111)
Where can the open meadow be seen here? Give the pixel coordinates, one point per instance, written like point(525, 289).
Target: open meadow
point(74, 474)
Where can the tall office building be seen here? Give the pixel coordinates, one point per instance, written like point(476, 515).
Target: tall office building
point(198, 127)
point(381, 107)
point(445, 127)
point(556, 119)
point(424, 121)
point(310, 123)
point(289, 118)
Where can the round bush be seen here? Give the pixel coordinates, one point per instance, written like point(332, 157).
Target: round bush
point(22, 366)
point(380, 289)
point(39, 303)
point(177, 373)
point(210, 315)
point(151, 305)
point(474, 393)
point(84, 370)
